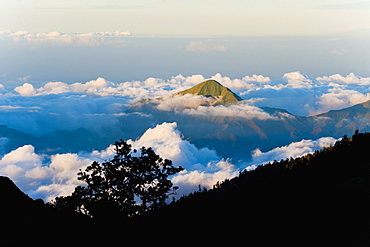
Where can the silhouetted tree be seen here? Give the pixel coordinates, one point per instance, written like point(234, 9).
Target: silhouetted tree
point(133, 182)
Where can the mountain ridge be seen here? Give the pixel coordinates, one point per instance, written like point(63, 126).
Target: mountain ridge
point(320, 199)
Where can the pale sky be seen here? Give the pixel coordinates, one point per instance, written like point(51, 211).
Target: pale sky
point(187, 18)
point(119, 40)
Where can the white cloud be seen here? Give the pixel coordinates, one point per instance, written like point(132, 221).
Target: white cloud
point(213, 172)
point(247, 83)
point(38, 172)
point(57, 38)
point(19, 165)
point(293, 150)
point(180, 102)
point(350, 79)
point(337, 98)
point(50, 176)
point(242, 109)
point(336, 52)
point(167, 141)
point(54, 88)
point(26, 89)
point(25, 155)
point(199, 46)
point(298, 80)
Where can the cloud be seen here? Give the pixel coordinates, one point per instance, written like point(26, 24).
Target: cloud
point(202, 166)
point(189, 181)
point(338, 80)
point(24, 78)
point(25, 155)
point(243, 110)
point(337, 98)
point(336, 52)
point(85, 104)
point(180, 102)
point(62, 175)
point(95, 105)
point(19, 165)
point(167, 141)
point(26, 89)
point(42, 175)
point(57, 38)
point(149, 88)
point(293, 150)
point(48, 176)
point(199, 46)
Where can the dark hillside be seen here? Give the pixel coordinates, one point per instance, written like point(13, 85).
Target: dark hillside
point(321, 199)
point(27, 222)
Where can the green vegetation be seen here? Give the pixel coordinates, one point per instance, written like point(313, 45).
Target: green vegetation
point(212, 88)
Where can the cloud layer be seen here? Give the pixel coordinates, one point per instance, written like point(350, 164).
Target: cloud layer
point(36, 109)
point(97, 104)
point(48, 176)
point(57, 38)
point(199, 46)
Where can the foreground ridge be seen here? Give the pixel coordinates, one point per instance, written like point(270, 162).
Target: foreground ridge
point(320, 199)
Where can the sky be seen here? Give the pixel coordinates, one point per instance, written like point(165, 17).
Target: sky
point(77, 41)
point(74, 63)
point(187, 18)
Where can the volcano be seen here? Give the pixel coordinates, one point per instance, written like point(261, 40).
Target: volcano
point(212, 88)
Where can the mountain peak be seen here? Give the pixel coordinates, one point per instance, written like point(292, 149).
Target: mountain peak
point(212, 88)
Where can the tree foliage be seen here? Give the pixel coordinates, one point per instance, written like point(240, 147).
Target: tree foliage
point(133, 182)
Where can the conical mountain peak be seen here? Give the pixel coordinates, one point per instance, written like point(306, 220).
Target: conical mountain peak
point(212, 88)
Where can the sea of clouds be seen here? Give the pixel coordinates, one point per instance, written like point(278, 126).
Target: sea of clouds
point(97, 104)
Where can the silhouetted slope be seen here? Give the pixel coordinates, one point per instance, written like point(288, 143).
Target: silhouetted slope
point(25, 222)
point(10, 193)
point(321, 199)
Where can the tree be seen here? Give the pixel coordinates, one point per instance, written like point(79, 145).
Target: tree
point(133, 182)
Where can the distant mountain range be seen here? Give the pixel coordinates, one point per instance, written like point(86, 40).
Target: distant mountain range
point(231, 135)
